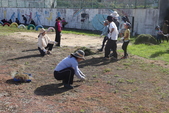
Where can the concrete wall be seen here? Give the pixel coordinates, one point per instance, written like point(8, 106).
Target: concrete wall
point(145, 20)
point(164, 4)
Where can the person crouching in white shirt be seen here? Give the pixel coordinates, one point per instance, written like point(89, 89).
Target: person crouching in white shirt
point(45, 44)
point(68, 67)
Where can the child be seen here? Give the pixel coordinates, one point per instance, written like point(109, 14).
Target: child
point(105, 33)
point(126, 39)
point(159, 34)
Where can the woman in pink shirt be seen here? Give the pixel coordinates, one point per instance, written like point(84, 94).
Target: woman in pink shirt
point(58, 31)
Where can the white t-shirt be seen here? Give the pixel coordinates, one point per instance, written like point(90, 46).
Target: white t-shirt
point(114, 34)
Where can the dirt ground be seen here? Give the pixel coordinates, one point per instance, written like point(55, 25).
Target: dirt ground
point(133, 85)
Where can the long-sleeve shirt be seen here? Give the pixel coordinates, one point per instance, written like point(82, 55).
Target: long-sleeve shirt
point(70, 62)
point(58, 26)
point(43, 41)
point(105, 30)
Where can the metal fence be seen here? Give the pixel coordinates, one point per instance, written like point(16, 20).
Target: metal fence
point(94, 4)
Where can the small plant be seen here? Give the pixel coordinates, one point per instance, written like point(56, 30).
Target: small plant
point(130, 81)
point(94, 76)
point(127, 64)
point(26, 63)
point(108, 82)
point(107, 70)
point(82, 111)
point(121, 80)
point(116, 75)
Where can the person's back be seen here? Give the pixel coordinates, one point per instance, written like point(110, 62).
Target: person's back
point(17, 21)
point(32, 22)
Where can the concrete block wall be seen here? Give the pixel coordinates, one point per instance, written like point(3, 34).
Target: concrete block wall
point(144, 22)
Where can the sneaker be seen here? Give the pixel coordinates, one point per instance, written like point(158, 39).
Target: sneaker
point(68, 86)
point(100, 50)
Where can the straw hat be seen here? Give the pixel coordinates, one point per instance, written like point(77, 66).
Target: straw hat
point(42, 30)
point(79, 54)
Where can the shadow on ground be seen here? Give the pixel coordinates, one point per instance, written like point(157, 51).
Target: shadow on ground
point(51, 89)
point(159, 53)
point(96, 62)
point(11, 81)
point(25, 57)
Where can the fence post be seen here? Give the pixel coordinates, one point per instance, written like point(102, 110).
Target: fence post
point(135, 3)
point(145, 5)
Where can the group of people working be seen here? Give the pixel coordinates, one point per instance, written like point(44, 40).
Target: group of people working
point(68, 67)
point(112, 30)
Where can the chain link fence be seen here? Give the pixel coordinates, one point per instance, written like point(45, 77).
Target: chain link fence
point(93, 4)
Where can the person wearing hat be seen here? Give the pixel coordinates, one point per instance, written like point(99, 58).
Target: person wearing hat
point(159, 34)
point(126, 39)
point(68, 67)
point(58, 31)
point(122, 27)
point(112, 39)
point(45, 44)
point(115, 16)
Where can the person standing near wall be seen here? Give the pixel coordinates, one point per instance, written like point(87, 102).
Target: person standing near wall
point(58, 31)
point(112, 39)
point(165, 30)
point(25, 19)
point(63, 23)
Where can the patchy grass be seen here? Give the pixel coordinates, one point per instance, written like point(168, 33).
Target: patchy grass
point(133, 85)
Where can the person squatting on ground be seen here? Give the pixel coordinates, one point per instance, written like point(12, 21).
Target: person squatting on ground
point(159, 34)
point(45, 44)
point(112, 39)
point(17, 21)
point(104, 33)
point(126, 39)
point(32, 22)
point(68, 67)
point(58, 31)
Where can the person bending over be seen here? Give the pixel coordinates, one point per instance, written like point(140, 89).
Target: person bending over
point(68, 67)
